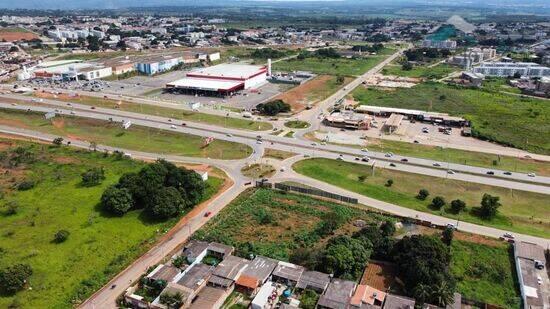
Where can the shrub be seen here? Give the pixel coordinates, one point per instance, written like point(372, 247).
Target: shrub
point(25, 185)
point(179, 261)
point(389, 183)
point(172, 300)
point(422, 194)
point(362, 178)
point(438, 202)
point(117, 201)
point(14, 278)
point(489, 206)
point(93, 176)
point(272, 108)
point(57, 141)
point(11, 208)
point(458, 206)
point(61, 236)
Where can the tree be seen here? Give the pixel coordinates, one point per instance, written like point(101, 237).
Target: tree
point(406, 66)
point(345, 257)
point(117, 200)
point(340, 79)
point(14, 278)
point(61, 236)
point(172, 300)
point(93, 176)
point(443, 293)
point(362, 178)
point(447, 236)
point(387, 228)
point(422, 194)
point(438, 202)
point(422, 292)
point(57, 141)
point(164, 203)
point(389, 183)
point(489, 206)
point(273, 108)
point(458, 205)
point(308, 299)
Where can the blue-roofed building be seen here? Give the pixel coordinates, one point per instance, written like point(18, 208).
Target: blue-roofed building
point(158, 64)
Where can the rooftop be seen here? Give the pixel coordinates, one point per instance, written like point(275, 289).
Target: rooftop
point(220, 248)
point(338, 294)
point(288, 271)
point(194, 248)
point(164, 272)
point(368, 295)
point(529, 251)
point(260, 268)
point(398, 302)
point(313, 279)
point(229, 70)
point(196, 276)
point(231, 267)
point(204, 84)
point(207, 298)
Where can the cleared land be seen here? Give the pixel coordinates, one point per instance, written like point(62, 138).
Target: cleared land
point(135, 138)
point(16, 34)
point(312, 92)
point(149, 109)
point(99, 245)
point(292, 223)
point(485, 273)
point(334, 66)
point(297, 124)
point(422, 71)
point(507, 119)
point(523, 212)
point(258, 170)
point(277, 154)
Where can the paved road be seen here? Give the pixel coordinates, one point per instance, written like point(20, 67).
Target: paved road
point(516, 181)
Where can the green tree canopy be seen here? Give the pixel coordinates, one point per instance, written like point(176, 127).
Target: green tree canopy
point(14, 278)
point(117, 201)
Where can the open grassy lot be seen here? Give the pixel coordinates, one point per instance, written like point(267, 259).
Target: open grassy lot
point(99, 245)
point(185, 115)
point(297, 124)
point(508, 119)
point(312, 92)
point(522, 212)
point(277, 154)
point(498, 84)
point(135, 138)
point(274, 224)
point(485, 273)
point(337, 66)
point(423, 71)
point(258, 170)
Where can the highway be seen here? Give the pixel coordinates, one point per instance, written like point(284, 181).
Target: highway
point(516, 181)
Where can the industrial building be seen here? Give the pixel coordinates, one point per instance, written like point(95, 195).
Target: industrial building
point(158, 64)
point(71, 70)
point(447, 44)
point(347, 120)
point(220, 80)
point(533, 278)
point(432, 117)
point(506, 69)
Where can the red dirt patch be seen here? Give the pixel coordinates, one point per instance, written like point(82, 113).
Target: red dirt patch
point(297, 97)
point(380, 275)
point(12, 36)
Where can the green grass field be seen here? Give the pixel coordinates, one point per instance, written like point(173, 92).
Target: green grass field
point(339, 66)
point(297, 124)
point(423, 71)
point(136, 138)
point(99, 245)
point(508, 119)
point(498, 84)
point(185, 115)
point(294, 219)
point(523, 212)
point(485, 273)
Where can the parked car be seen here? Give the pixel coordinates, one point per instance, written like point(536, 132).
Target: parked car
point(490, 173)
point(539, 264)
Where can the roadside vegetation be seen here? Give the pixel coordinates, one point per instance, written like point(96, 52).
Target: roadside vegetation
point(135, 138)
point(419, 71)
point(58, 228)
point(297, 124)
point(258, 170)
point(507, 119)
point(186, 115)
point(277, 154)
point(519, 211)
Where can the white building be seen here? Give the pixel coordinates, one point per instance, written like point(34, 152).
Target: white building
point(447, 44)
point(505, 69)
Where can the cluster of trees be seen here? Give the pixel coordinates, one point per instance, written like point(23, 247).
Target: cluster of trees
point(14, 278)
point(423, 265)
point(161, 188)
point(488, 208)
point(378, 38)
point(320, 53)
point(93, 176)
point(420, 54)
point(374, 48)
point(273, 108)
point(265, 53)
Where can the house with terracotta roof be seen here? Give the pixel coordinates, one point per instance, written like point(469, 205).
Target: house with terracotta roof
point(367, 296)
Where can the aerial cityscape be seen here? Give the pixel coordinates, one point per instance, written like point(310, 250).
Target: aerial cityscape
point(273, 154)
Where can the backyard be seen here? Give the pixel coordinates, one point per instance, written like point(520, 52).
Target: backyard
point(135, 138)
point(521, 211)
point(508, 119)
point(98, 246)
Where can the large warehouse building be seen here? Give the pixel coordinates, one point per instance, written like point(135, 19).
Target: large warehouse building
point(221, 80)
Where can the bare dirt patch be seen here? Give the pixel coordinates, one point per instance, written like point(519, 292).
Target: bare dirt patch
point(300, 96)
point(380, 275)
point(12, 36)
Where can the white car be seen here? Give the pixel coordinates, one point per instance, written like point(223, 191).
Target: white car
point(531, 175)
point(229, 135)
point(389, 155)
point(364, 150)
point(436, 164)
point(451, 172)
point(173, 127)
point(258, 142)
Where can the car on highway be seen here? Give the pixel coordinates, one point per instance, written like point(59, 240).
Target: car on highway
point(392, 165)
point(365, 159)
point(229, 135)
point(508, 235)
point(436, 164)
point(451, 172)
point(539, 265)
point(183, 124)
point(259, 142)
point(313, 144)
point(490, 173)
point(416, 142)
point(531, 175)
point(404, 160)
point(282, 169)
point(388, 155)
point(364, 150)
point(507, 173)
point(72, 112)
point(357, 158)
point(93, 107)
point(172, 127)
point(259, 137)
point(451, 226)
point(207, 214)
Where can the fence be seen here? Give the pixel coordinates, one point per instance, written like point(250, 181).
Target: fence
point(317, 192)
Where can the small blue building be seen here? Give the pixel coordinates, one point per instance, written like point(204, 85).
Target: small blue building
point(158, 64)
